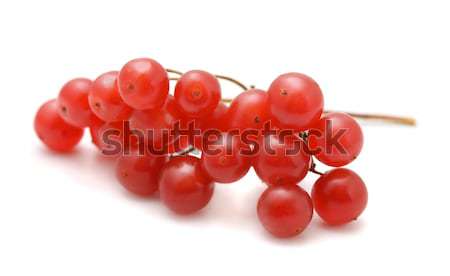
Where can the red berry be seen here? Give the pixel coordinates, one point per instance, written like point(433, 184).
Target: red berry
point(285, 210)
point(216, 121)
point(337, 138)
point(281, 162)
point(110, 136)
point(139, 173)
point(143, 84)
point(184, 187)
point(53, 131)
point(339, 196)
point(105, 100)
point(197, 93)
point(248, 110)
point(73, 102)
point(160, 122)
point(224, 160)
point(295, 101)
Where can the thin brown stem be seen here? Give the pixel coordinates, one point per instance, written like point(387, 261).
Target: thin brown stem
point(174, 71)
point(238, 83)
point(382, 117)
point(183, 152)
point(409, 121)
point(313, 168)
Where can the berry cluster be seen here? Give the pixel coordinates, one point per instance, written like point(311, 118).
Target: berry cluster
point(278, 133)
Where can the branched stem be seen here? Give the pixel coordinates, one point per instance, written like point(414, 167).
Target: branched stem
point(409, 121)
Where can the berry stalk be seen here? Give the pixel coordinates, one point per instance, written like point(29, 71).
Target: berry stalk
point(392, 119)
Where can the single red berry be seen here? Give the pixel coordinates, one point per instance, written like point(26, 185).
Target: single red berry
point(285, 210)
point(295, 101)
point(139, 173)
point(339, 196)
point(74, 104)
point(53, 131)
point(184, 187)
point(157, 127)
point(225, 160)
point(281, 161)
point(143, 84)
point(337, 138)
point(197, 93)
point(113, 138)
point(105, 100)
point(248, 110)
point(216, 122)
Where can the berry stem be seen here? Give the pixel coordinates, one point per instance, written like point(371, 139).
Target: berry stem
point(173, 71)
point(381, 117)
point(408, 121)
point(313, 168)
point(238, 83)
point(183, 152)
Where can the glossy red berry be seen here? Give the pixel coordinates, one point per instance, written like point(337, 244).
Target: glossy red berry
point(216, 122)
point(285, 210)
point(281, 162)
point(157, 124)
point(225, 160)
point(248, 110)
point(197, 93)
point(112, 138)
point(143, 84)
point(53, 131)
point(105, 100)
point(337, 138)
point(295, 101)
point(339, 196)
point(139, 174)
point(73, 102)
point(184, 187)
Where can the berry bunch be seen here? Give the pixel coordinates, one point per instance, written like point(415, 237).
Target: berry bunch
point(278, 132)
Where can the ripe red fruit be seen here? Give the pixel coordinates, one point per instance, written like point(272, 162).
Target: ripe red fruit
point(110, 136)
point(143, 84)
point(224, 160)
point(197, 93)
point(285, 210)
point(295, 101)
point(281, 162)
point(73, 102)
point(184, 187)
point(339, 196)
point(216, 121)
point(53, 131)
point(139, 173)
point(345, 131)
point(248, 110)
point(160, 122)
point(105, 100)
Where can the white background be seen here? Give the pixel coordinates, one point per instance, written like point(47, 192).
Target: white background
point(67, 215)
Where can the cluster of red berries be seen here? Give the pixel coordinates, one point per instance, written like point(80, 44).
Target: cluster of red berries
point(137, 96)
